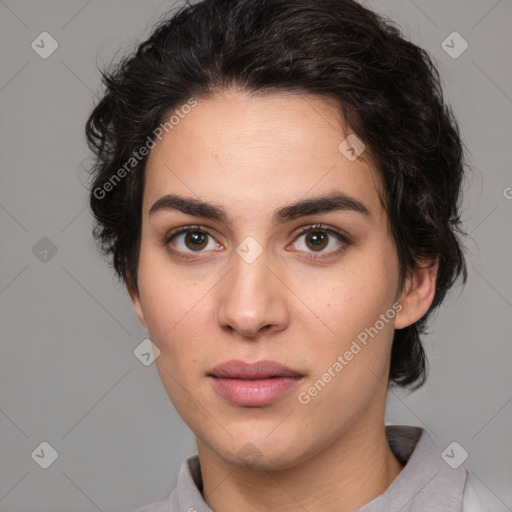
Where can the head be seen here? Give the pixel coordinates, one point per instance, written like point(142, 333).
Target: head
point(259, 119)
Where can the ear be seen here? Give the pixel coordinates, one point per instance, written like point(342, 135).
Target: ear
point(418, 294)
point(136, 303)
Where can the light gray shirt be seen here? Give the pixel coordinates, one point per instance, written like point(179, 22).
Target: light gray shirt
point(426, 483)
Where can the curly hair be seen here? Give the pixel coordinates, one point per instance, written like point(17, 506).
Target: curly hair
point(387, 89)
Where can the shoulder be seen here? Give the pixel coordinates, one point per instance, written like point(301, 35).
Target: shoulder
point(478, 498)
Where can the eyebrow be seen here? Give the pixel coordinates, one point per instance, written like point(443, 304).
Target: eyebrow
point(336, 201)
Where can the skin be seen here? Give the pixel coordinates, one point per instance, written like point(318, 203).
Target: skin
point(251, 155)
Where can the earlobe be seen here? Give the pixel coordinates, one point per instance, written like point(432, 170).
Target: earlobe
point(418, 294)
point(136, 304)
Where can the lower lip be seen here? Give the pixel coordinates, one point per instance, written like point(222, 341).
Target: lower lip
point(253, 393)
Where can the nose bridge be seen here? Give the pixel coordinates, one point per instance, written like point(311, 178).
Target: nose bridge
point(250, 297)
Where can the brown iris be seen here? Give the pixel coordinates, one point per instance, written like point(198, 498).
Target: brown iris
point(198, 240)
point(318, 238)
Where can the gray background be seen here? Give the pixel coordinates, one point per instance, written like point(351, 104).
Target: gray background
point(68, 375)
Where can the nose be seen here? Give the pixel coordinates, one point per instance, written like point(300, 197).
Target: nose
point(252, 299)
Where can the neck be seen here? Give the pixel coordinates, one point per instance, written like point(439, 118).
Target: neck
point(350, 472)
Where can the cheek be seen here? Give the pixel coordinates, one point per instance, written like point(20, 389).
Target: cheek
point(351, 365)
point(168, 299)
point(354, 298)
point(358, 308)
point(175, 323)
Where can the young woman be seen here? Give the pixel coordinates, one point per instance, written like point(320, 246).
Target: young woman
point(277, 183)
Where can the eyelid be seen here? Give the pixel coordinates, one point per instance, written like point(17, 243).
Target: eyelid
point(323, 227)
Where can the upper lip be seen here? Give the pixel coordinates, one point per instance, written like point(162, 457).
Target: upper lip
point(237, 369)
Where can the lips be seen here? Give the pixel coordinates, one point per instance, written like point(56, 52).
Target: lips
point(237, 369)
point(253, 385)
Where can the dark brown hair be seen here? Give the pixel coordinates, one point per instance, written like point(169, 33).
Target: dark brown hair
point(387, 89)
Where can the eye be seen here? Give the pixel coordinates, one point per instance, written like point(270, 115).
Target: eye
point(318, 237)
point(197, 239)
point(190, 239)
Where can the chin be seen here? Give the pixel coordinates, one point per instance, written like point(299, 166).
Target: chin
point(266, 460)
point(263, 454)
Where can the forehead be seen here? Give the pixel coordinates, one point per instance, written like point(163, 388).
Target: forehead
point(249, 152)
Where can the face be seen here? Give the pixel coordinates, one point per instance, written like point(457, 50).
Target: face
point(253, 280)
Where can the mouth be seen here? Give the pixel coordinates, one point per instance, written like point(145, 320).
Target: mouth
point(237, 369)
point(253, 385)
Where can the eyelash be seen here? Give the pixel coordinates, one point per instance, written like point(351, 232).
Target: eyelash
point(320, 227)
